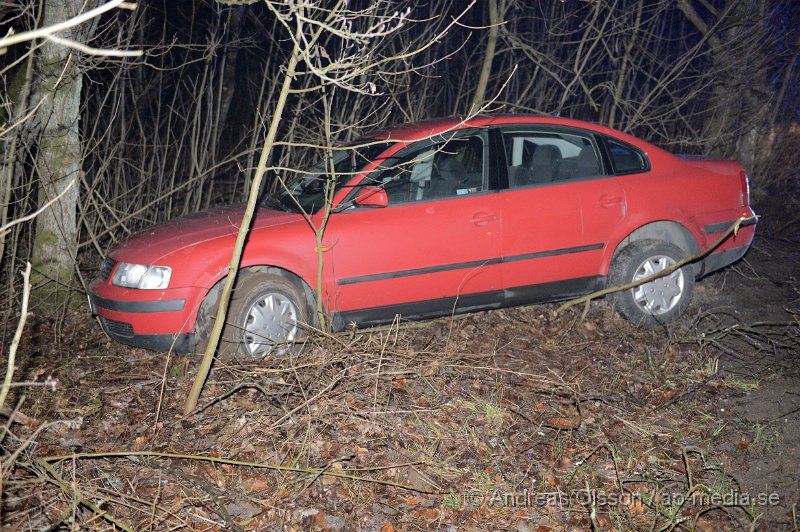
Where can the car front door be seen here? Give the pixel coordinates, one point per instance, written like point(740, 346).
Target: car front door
point(433, 250)
point(559, 207)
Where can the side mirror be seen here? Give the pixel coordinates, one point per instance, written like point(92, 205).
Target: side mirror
point(371, 196)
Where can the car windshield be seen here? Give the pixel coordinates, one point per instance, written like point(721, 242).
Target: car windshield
point(306, 190)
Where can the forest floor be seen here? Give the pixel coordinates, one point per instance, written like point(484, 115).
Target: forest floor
point(516, 419)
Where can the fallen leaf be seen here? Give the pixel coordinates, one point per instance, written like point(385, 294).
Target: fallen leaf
point(636, 507)
point(563, 423)
point(254, 485)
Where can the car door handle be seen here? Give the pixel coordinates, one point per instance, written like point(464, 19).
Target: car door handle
point(482, 218)
point(609, 200)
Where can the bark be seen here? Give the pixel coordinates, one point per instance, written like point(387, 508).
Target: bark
point(486, 68)
point(627, 58)
point(739, 103)
point(58, 160)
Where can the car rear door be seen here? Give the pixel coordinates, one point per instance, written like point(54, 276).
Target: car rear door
point(558, 210)
point(434, 249)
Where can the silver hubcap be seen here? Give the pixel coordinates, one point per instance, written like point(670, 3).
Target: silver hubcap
point(662, 295)
point(271, 320)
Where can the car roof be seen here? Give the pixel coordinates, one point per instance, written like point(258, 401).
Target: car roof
point(429, 128)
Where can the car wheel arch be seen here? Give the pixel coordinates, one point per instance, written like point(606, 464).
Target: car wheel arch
point(664, 230)
point(209, 299)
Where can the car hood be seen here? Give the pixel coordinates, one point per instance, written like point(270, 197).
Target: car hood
point(153, 243)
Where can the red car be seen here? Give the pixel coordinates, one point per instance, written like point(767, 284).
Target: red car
point(436, 218)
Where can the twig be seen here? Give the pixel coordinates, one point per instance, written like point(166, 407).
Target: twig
point(12, 352)
point(255, 465)
point(80, 499)
point(12, 223)
point(90, 50)
point(244, 385)
point(55, 28)
point(309, 401)
point(230, 524)
point(789, 413)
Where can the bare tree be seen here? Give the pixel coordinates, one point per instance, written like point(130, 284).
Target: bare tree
point(336, 48)
point(52, 80)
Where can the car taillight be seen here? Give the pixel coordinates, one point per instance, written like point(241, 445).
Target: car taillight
point(744, 190)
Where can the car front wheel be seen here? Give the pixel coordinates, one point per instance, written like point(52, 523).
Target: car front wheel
point(657, 302)
point(267, 313)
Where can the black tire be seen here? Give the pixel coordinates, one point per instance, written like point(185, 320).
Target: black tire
point(267, 313)
point(658, 302)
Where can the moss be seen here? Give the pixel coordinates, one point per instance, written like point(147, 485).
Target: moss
point(51, 279)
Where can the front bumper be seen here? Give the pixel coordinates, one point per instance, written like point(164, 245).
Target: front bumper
point(182, 343)
point(159, 325)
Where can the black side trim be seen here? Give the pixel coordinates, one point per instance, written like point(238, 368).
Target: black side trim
point(711, 229)
point(418, 271)
point(432, 308)
point(552, 253)
point(554, 291)
point(168, 305)
point(466, 265)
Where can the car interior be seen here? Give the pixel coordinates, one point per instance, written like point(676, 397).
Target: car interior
point(543, 158)
point(454, 168)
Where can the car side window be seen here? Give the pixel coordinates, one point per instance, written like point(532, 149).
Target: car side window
point(540, 157)
point(449, 169)
point(626, 159)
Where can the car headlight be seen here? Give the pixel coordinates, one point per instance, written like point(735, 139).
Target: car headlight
point(141, 276)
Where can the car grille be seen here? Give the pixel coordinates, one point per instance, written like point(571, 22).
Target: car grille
point(108, 267)
point(117, 328)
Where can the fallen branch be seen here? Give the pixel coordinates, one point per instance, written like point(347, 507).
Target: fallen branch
point(255, 465)
point(66, 488)
point(732, 230)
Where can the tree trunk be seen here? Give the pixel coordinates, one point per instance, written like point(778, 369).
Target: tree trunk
point(58, 161)
point(739, 105)
point(479, 97)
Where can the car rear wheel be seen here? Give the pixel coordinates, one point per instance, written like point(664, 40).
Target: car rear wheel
point(657, 302)
point(267, 314)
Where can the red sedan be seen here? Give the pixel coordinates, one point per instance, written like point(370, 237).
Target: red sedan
point(436, 218)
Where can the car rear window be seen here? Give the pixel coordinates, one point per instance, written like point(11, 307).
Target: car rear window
point(626, 159)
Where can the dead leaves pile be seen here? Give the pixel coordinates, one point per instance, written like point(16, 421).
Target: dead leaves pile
point(514, 419)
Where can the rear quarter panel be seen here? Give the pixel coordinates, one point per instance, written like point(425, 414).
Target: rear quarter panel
point(691, 195)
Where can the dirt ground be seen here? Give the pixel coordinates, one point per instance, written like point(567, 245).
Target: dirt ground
point(762, 438)
point(518, 419)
